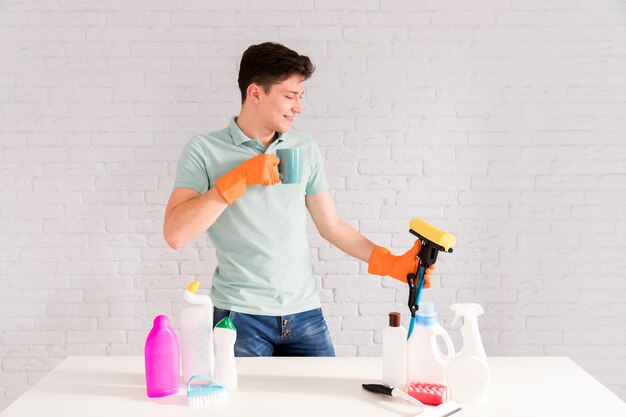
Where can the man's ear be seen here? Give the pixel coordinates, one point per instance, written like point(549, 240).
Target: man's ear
point(254, 93)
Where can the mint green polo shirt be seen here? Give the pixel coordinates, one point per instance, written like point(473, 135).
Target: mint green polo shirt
point(264, 261)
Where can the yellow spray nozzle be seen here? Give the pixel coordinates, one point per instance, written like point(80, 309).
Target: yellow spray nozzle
point(193, 286)
point(431, 233)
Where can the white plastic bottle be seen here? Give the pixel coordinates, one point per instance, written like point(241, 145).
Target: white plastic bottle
point(425, 361)
point(394, 353)
point(468, 372)
point(225, 367)
point(196, 323)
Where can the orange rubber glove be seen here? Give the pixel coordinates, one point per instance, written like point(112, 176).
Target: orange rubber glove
point(382, 262)
point(258, 170)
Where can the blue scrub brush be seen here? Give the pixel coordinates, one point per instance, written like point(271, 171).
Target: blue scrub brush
point(202, 394)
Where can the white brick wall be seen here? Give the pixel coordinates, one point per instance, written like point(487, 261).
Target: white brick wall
point(502, 121)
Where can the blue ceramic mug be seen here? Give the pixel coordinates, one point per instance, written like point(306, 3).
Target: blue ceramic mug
point(290, 166)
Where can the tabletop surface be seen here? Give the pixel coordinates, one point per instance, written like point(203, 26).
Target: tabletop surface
point(115, 386)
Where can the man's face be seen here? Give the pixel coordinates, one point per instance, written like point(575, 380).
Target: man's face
point(279, 106)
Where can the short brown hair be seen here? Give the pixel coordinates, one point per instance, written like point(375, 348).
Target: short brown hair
point(269, 63)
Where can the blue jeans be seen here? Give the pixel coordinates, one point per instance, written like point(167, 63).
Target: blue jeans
point(300, 334)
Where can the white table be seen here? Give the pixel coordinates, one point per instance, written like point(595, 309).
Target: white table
point(320, 387)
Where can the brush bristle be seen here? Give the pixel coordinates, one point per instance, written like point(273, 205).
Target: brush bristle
point(207, 399)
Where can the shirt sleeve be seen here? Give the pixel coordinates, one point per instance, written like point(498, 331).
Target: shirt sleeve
point(191, 171)
point(317, 180)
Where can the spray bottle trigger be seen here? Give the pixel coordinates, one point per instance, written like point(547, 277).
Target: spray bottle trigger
point(457, 319)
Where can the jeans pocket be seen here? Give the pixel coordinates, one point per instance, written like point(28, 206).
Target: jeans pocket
point(219, 314)
point(313, 323)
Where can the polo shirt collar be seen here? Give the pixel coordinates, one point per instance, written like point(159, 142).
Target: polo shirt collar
point(239, 137)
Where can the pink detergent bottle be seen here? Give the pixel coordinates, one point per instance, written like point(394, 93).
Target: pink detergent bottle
point(162, 359)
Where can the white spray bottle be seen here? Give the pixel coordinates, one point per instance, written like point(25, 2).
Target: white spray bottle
point(196, 324)
point(468, 372)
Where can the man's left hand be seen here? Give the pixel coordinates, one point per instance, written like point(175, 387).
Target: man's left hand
point(383, 262)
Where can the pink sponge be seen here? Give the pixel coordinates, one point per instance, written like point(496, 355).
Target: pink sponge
point(431, 394)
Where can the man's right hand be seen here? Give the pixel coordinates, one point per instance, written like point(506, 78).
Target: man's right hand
point(261, 169)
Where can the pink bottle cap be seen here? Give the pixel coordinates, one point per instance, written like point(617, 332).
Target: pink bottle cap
point(161, 321)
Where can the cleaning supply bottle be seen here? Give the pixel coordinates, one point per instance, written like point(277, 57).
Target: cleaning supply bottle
point(468, 372)
point(225, 368)
point(162, 359)
point(426, 364)
point(394, 353)
point(196, 323)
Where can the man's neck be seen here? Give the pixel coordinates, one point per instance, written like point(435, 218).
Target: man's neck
point(253, 130)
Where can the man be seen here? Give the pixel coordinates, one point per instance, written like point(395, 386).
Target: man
point(227, 184)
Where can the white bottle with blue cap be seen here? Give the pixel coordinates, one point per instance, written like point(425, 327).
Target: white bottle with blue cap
point(425, 362)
